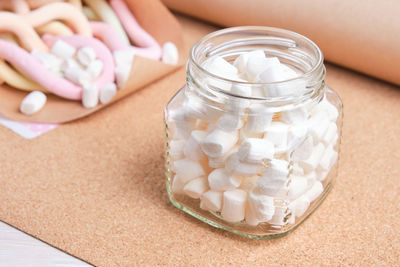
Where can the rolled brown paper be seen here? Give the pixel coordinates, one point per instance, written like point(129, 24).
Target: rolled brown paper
point(361, 35)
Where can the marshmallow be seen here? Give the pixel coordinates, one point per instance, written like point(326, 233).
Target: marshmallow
point(33, 102)
point(250, 216)
point(219, 162)
point(311, 163)
point(234, 165)
point(122, 74)
point(297, 170)
point(297, 187)
point(281, 73)
point(311, 178)
point(234, 205)
point(243, 135)
point(255, 150)
point(199, 108)
point(259, 118)
point(124, 57)
point(188, 169)
point(241, 61)
point(221, 180)
point(277, 134)
point(237, 105)
point(329, 136)
point(178, 184)
point(322, 175)
point(90, 96)
point(49, 61)
point(295, 115)
point(304, 150)
point(63, 49)
point(192, 148)
point(219, 142)
point(220, 67)
point(211, 200)
point(248, 183)
point(78, 76)
point(314, 191)
point(328, 159)
point(176, 149)
point(301, 206)
point(296, 135)
point(261, 205)
point(95, 68)
point(318, 126)
point(86, 55)
point(196, 187)
point(170, 54)
point(70, 63)
point(329, 108)
point(230, 122)
point(256, 65)
point(274, 177)
point(181, 124)
point(282, 216)
point(107, 92)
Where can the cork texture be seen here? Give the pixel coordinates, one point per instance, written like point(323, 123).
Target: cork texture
point(95, 187)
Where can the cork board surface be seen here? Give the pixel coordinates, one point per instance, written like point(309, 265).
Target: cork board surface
point(95, 187)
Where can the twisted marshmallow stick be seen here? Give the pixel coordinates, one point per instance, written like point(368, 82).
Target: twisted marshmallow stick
point(54, 27)
point(149, 46)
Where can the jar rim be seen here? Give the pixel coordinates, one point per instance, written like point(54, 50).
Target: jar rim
point(317, 65)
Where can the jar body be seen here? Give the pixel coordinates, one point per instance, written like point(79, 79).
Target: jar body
point(251, 166)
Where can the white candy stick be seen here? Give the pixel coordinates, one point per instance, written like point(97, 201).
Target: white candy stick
point(255, 150)
point(301, 206)
point(196, 187)
point(241, 61)
point(297, 187)
point(90, 96)
point(107, 92)
point(296, 115)
point(277, 133)
point(262, 205)
point(314, 192)
point(311, 163)
point(78, 76)
point(230, 122)
point(259, 118)
point(95, 68)
point(170, 53)
point(188, 169)
point(176, 149)
point(234, 205)
point(86, 55)
point(192, 148)
point(219, 142)
point(221, 180)
point(234, 165)
point(328, 159)
point(63, 49)
point(211, 200)
point(330, 134)
point(33, 102)
point(304, 150)
point(124, 57)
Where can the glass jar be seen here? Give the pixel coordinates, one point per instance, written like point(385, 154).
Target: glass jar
point(245, 152)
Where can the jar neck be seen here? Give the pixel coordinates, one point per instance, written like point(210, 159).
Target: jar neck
point(293, 50)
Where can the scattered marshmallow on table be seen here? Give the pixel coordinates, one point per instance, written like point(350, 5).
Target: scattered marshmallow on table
point(170, 54)
point(107, 92)
point(90, 96)
point(33, 102)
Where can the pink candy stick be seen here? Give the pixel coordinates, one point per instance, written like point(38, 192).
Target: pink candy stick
point(108, 35)
point(102, 52)
point(35, 70)
point(150, 48)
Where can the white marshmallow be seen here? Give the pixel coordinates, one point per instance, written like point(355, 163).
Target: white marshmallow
point(321, 175)
point(90, 96)
point(276, 168)
point(107, 92)
point(277, 134)
point(63, 49)
point(124, 57)
point(220, 67)
point(304, 150)
point(259, 118)
point(316, 190)
point(86, 55)
point(329, 108)
point(296, 135)
point(255, 150)
point(33, 102)
point(250, 216)
point(196, 187)
point(78, 76)
point(122, 74)
point(49, 61)
point(70, 63)
point(328, 159)
point(274, 177)
point(256, 65)
point(311, 178)
point(198, 108)
point(95, 68)
point(170, 53)
point(237, 105)
point(257, 91)
point(243, 135)
point(234, 165)
point(176, 149)
point(318, 127)
point(211, 200)
point(297, 170)
point(221, 180)
point(282, 216)
point(188, 169)
point(230, 122)
point(181, 124)
point(261, 205)
point(178, 184)
point(296, 115)
point(329, 136)
point(248, 183)
point(241, 61)
point(192, 148)
point(311, 163)
point(281, 73)
point(234, 205)
point(219, 142)
point(301, 206)
point(219, 162)
point(297, 187)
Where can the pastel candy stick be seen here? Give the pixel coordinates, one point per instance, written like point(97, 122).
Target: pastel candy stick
point(20, 6)
point(25, 33)
point(56, 28)
point(89, 13)
point(38, 3)
point(60, 11)
point(108, 35)
point(102, 53)
point(104, 11)
point(34, 69)
point(150, 47)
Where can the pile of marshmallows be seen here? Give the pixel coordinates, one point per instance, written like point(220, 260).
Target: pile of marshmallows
point(77, 51)
point(251, 163)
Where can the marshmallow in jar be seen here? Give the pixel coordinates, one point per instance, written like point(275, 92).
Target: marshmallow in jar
point(253, 137)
